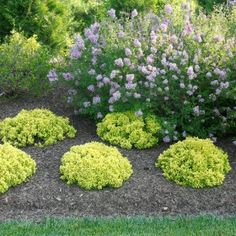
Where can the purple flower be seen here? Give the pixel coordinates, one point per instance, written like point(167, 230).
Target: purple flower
point(137, 95)
point(119, 62)
point(209, 75)
point(196, 110)
point(218, 38)
point(100, 84)
point(137, 43)
point(130, 78)
point(79, 42)
point(121, 34)
point(112, 13)
point(106, 80)
point(190, 71)
point(116, 95)
point(134, 13)
point(168, 9)
point(67, 76)
point(173, 38)
point(52, 75)
point(75, 53)
point(214, 82)
point(130, 86)
point(153, 36)
point(96, 99)
point(188, 29)
point(166, 139)
point(128, 52)
point(150, 59)
point(197, 38)
point(139, 113)
point(92, 72)
point(114, 74)
point(86, 104)
point(99, 77)
point(164, 26)
point(91, 88)
point(99, 115)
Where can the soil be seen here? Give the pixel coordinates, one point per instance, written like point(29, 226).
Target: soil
point(146, 193)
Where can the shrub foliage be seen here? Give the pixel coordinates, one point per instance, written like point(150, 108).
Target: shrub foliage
point(128, 130)
point(38, 127)
point(194, 162)
point(15, 167)
point(24, 65)
point(95, 166)
point(48, 19)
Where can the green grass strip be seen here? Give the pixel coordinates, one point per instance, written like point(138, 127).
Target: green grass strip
point(135, 226)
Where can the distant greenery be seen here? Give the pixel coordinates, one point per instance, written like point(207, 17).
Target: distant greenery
point(208, 5)
point(48, 19)
point(141, 226)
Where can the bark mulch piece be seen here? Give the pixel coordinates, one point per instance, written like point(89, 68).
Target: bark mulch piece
point(146, 193)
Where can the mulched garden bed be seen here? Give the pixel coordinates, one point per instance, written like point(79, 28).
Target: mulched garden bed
point(146, 193)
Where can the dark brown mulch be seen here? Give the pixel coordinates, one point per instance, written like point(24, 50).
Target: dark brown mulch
point(146, 193)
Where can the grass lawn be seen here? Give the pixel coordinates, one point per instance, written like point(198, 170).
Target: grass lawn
point(201, 225)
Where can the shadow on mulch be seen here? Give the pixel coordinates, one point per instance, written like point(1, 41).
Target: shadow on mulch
point(146, 193)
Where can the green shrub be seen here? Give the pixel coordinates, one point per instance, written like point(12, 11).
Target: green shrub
point(85, 12)
point(130, 5)
point(194, 162)
point(209, 5)
point(24, 65)
point(15, 167)
point(38, 127)
point(95, 166)
point(48, 19)
point(127, 130)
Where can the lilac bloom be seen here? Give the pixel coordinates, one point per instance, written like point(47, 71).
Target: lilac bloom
point(52, 75)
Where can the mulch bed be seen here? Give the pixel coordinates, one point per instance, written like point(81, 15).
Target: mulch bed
point(146, 193)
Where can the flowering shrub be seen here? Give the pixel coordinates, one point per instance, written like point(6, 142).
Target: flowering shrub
point(24, 65)
point(38, 127)
point(95, 166)
point(178, 65)
point(15, 167)
point(194, 162)
point(129, 130)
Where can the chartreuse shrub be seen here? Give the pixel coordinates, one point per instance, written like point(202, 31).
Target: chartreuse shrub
point(24, 64)
point(15, 167)
point(95, 166)
point(194, 162)
point(129, 130)
point(39, 127)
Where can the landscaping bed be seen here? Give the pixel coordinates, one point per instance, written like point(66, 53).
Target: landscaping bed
point(147, 192)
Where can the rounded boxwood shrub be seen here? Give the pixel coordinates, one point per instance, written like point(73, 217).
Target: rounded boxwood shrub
point(128, 130)
point(15, 167)
point(194, 162)
point(95, 166)
point(39, 127)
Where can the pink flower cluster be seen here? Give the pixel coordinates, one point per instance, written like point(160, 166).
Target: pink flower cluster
point(155, 65)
